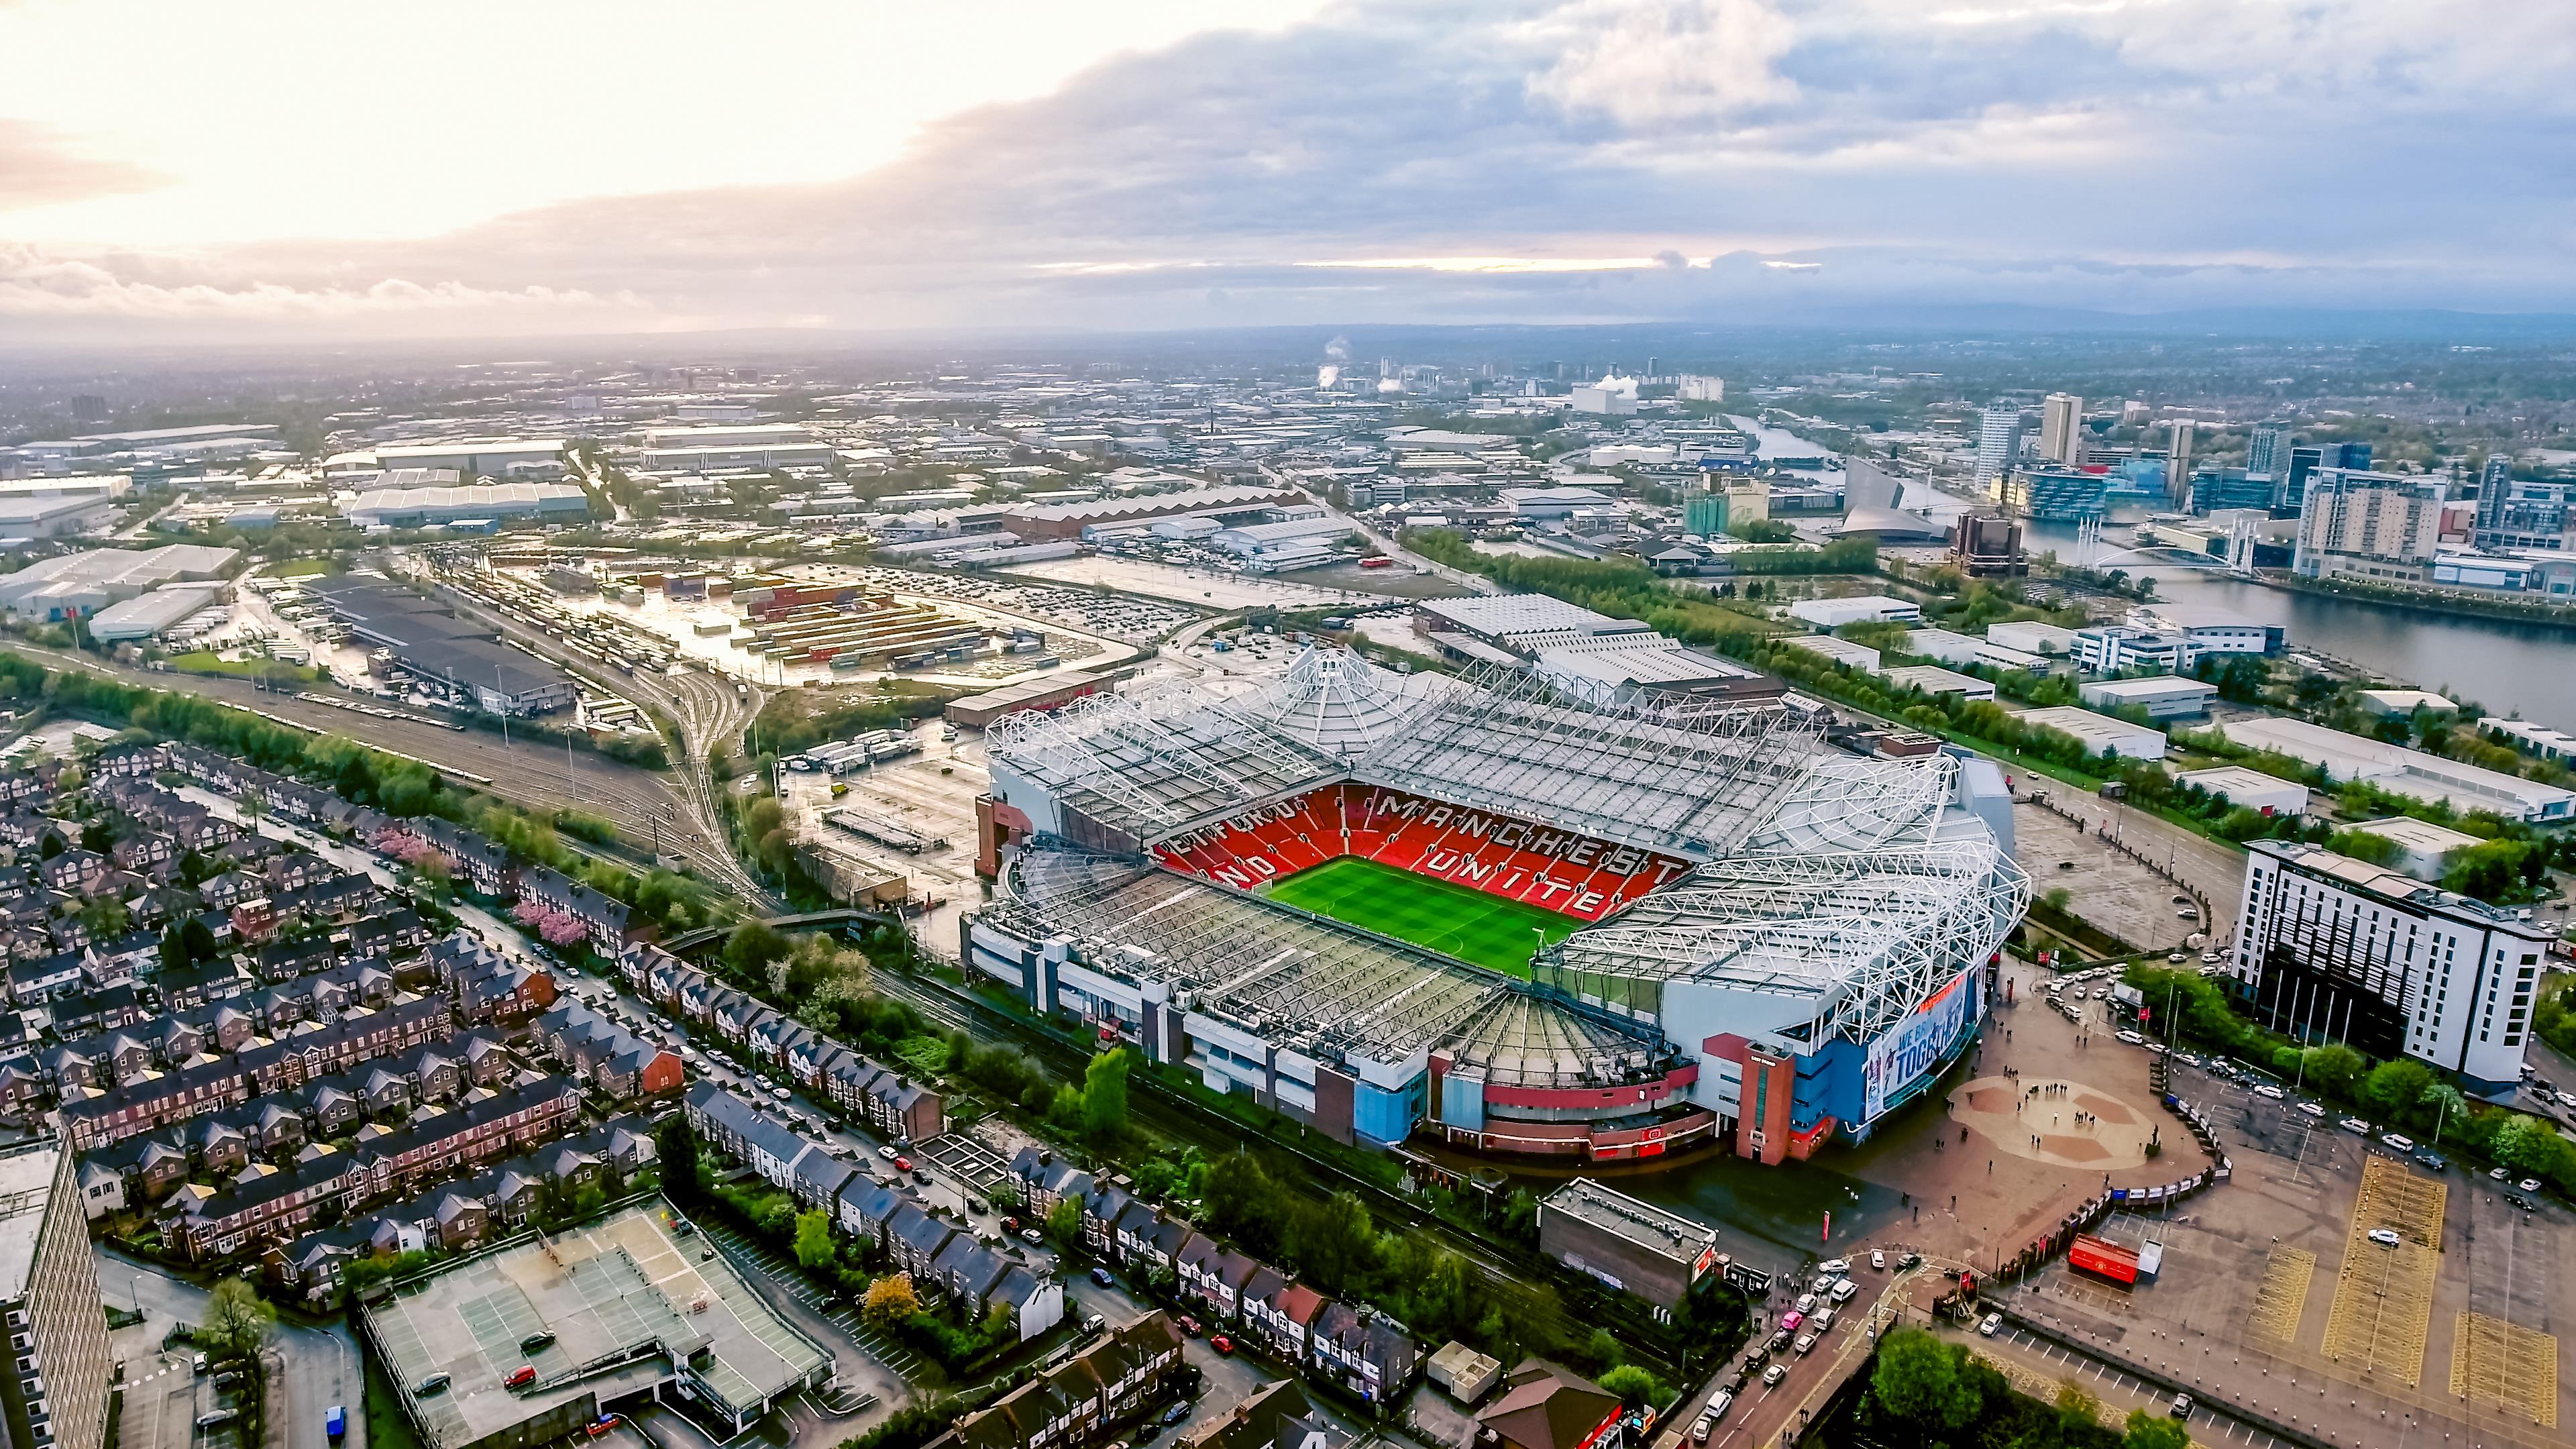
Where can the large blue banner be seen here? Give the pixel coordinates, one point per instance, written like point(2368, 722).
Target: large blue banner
point(1908, 1049)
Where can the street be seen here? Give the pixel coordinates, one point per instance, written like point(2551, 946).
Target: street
point(164, 1395)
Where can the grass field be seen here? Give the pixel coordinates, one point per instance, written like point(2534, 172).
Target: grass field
point(1451, 919)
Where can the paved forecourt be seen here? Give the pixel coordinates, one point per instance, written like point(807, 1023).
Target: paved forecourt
point(1435, 914)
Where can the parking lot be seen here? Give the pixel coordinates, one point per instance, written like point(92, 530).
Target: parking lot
point(2274, 1294)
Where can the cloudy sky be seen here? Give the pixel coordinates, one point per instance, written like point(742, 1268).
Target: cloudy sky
point(263, 168)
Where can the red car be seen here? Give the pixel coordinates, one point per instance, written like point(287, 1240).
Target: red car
point(1190, 1326)
point(1221, 1344)
point(526, 1375)
point(903, 1164)
point(1010, 1225)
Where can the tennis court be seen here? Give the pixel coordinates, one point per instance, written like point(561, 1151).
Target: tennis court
point(1451, 919)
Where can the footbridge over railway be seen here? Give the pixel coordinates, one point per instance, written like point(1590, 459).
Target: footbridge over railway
point(848, 922)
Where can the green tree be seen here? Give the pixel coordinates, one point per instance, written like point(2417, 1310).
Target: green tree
point(2334, 1070)
point(1917, 1382)
point(1634, 1386)
point(750, 949)
point(2077, 1407)
point(2154, 1431)
point(105, 916)
point(237, 1322)
point(1104, 1095)
point(200, 939)
point(814, 1245)
point(1241, 1200)
point(2395, 1089)
point(1334, 1243)
point(174, 950)
point(1064, 1222)
point(675, 1143)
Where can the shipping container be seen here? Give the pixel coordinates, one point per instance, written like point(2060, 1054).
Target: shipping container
point(2103, 1258)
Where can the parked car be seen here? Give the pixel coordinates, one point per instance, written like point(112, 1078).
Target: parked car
point(1221, 1344)
point(2181, 1406)
point(1101, 1276)
point(1806, 1303)
point(1805, 1344)
point(2529, 1184)
point(1993, 1322)
point(2398, 1140)
point(2312, 1109)
point(2384, 1237)
point(1878, 1259)
point(1834, 1267)
point(901, 1164)
point(887, 1153)
point(1189, 1325)
point(2267, 1090)
point(1772, 1376)
point(2355, 1126)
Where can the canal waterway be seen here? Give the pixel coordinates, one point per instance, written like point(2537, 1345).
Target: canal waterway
point(2505, 666)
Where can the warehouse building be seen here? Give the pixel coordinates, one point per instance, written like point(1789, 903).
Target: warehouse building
point(420, 639)
point(2252, 789)
point(2100, 732)
point(433, 506)
point(147, 616)
point(76, 585)
point(479, 457)
point(2166, 696)
point(1037, 522)
point(620, 1312)
point(2401, 771)
point(1625, 1242)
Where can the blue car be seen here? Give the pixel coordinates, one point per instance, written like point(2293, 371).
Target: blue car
point(1101, 1277)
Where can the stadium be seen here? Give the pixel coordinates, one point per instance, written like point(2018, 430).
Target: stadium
point(1506, 911)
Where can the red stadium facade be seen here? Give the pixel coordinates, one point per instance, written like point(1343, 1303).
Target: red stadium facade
point(1501, 855)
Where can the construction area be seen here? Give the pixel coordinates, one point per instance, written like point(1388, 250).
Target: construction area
point(530, 1341)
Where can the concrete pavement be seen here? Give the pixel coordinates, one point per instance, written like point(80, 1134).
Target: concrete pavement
point(319, 1366)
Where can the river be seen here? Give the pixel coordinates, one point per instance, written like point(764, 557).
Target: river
point(2506, 667)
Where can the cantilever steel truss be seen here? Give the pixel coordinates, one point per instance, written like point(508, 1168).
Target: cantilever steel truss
point(1335, 701)
point(1866, 929)
point(1153, 764)
point(1676, 775)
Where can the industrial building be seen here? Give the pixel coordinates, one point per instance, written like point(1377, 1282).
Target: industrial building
point(2164, 696)
point(75, 585)
point(752, 446)
point(148, 616)
point(2099, 732)
point(1776, 944)
point(629, 1312)
point(496, 503)
point(420, 639)
point(1036, 522)
point(1625, 1242)
point(478, 457)
point(39, 508)
point(2402, 771)
point(2333, 949)
point(2251, 789)
point(1826, 615)
point(56, 1395)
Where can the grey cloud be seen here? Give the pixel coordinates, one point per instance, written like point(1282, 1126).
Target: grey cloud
point(2041, 161)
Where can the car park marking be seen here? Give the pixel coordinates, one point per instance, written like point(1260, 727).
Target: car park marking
point(2281, 1299)
point(2505, 1365)
point(2383, 1301)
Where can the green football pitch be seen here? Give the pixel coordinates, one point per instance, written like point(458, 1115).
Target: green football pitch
point(1451, 919)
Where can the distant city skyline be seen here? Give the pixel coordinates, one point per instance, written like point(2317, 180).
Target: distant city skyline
point(274, 169)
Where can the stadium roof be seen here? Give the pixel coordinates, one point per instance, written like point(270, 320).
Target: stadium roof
point(1687, 775)
point(1310, 984)
point(1859, 895)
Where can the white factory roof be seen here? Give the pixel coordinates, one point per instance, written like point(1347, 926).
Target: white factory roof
point(2099, 732)
point(1511, 614)
point(2403, 771)
point(2141, 691)
point(2251, 788)
point(115, 569)
point(146, 615)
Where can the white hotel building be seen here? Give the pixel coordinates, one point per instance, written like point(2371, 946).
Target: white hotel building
point(2329, 948)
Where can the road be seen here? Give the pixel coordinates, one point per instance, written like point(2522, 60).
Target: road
point(321, 1366)
point(1474, 583)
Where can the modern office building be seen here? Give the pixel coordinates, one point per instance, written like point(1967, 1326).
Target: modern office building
point(2522, 514)
point(2333, 949)
point(2058, 494)
point(1998, 443)
point(2267, 450)
point(2178, 464)
point(55, 1396)
point(2210, 630)
point(2376, 525)
point(2112, 648)
point(2061, 428)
